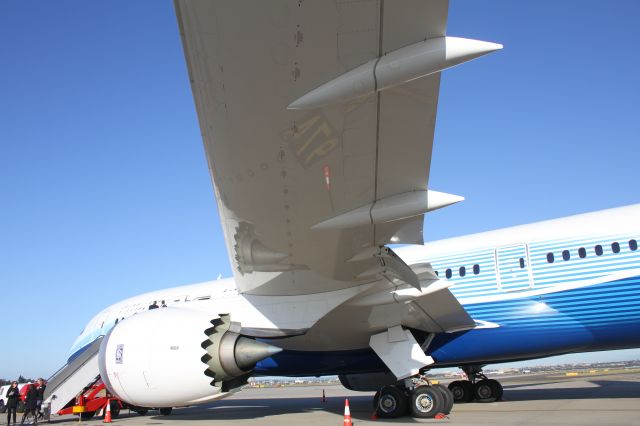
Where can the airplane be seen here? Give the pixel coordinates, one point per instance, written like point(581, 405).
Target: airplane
point(318, 121)
point(548, 288)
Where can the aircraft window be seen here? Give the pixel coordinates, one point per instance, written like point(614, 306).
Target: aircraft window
point(476, 269)
point(633, 245)
point(615, 247)
point(463, 271)
point(448, 273)
point(203, 298)
point(549, 257)
point(582, 253)
point(566, 255)
point(521, 263)
point(598, 250)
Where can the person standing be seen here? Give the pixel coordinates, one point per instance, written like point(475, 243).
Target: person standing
point(13, 396)
point(40, 387)
point(154, 305)
point(30, 405)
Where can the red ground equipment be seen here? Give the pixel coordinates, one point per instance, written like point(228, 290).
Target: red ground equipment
point(24, 388)
point(94, 398)
point(23, 391)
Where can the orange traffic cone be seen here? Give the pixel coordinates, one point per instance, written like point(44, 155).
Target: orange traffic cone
point(107, 413)
point(347, 414)
point(324, 399)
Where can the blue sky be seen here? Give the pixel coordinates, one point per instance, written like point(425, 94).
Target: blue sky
point(105, 192)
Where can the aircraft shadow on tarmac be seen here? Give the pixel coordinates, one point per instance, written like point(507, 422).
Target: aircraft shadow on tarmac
point(591, 389)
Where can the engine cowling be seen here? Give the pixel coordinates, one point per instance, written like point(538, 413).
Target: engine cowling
point(174, 356)
point(367, 382)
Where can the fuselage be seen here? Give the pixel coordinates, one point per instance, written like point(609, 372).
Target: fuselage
point(553, 287)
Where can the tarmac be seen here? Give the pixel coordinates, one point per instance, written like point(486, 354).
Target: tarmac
point(528, 400)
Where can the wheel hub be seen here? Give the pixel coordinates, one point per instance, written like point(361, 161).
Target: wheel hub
point(484, 391)
point(458, 392)
point(387, 403)
point(424, 403)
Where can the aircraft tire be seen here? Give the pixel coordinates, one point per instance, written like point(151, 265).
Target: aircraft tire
point(115, 409)
point(392, 403)
point(485, 391)
point(3, 407)
point(165, 411)
point(462, 391)
point(88, 415)
point(447, 404)
point(498, 386)
point(426, 401)
point(142, 411)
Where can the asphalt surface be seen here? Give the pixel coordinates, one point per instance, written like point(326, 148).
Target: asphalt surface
point(528, 400)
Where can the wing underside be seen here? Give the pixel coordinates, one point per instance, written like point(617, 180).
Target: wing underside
point(279, 171)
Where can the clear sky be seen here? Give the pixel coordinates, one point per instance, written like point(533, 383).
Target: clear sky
point(105, 192)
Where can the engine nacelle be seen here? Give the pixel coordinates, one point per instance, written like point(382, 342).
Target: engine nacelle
point(367, 382)
point(173, 357)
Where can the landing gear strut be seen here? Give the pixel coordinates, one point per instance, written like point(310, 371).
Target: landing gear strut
point(478, 387)
point(415, 396)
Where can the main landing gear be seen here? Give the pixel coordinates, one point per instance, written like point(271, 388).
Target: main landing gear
point(414, 396)
point(478, 388)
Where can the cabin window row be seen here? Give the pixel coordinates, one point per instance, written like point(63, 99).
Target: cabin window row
point(462, 271)
point(597, 249)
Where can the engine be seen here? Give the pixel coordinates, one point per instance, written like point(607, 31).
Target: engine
point(173, 357)
point(367, 382)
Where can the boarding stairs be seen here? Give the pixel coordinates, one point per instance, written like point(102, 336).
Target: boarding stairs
point(70, 380)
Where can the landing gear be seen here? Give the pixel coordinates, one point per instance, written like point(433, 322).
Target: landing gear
point(462, 391)
point(392, 402)
point(165, 411)
point(478, 387)
point(115, 409)
point(500, 390)
point(416, 396)
point(426, 402)
point(487, 390)
point(140, 410)
point(448, 398)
